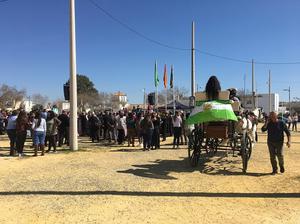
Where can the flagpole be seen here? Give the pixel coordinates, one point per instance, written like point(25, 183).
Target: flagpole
point(156, 84)
point(73, 80)
point(193, 61)
point(174, 105)
point(156, 97)
point(166, 99)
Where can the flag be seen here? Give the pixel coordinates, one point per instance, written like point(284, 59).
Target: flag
point(165, 76)
point(211, 111)
point(156, 80)
point(171, 78)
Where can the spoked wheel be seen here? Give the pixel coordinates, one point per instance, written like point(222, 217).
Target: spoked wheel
point(249, 146)
point(246, 149)
point(194, 149)
point(211, 146)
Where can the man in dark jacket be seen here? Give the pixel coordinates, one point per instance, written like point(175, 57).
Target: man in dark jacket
point(94, 127)
point(275, 130)
point(63, 128)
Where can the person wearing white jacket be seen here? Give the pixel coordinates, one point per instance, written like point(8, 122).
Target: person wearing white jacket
point(39, 128)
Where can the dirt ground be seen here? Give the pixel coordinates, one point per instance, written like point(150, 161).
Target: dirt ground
point(101, 184)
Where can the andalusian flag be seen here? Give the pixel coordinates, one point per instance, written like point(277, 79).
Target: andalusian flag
point(156, 80)
point(212, 111)
point(171, 78)
point(165, 76)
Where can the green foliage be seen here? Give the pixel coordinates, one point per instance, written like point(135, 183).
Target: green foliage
point(85, 86)
point(87, 93)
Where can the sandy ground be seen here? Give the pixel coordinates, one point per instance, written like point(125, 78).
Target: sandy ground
point(100, 184)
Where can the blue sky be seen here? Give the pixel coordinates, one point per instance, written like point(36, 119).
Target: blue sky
point(34, 43)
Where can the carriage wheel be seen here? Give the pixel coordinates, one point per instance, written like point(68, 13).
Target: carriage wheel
point(246, 148)
point(194, 148)
point(249, 146)
point(211, 146)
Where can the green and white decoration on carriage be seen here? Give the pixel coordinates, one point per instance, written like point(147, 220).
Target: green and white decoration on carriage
point(206, 111)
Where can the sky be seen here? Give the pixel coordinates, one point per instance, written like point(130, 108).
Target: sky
point(34, 44)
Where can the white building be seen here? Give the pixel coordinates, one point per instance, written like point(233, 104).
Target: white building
point(27, 105)
point(119, 100)
point(262, 101)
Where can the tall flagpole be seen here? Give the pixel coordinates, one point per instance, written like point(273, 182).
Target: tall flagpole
point(193, 61)
point(166, 99)
point(156, 97)
point(156, 84)
point(174, 103)
point(253, 88)
point(270, 104)
point(73, 81)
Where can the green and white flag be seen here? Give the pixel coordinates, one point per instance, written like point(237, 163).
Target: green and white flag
point(211, 111)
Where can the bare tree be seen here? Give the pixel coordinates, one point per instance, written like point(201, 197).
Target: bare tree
point(39, 99)
point(180, 95)
point(10, 95)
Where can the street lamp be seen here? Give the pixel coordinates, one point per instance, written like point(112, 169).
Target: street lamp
point(289, 90)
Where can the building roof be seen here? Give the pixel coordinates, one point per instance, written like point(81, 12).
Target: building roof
point(119, 94)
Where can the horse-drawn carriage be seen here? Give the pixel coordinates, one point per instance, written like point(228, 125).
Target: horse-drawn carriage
point(216, 127)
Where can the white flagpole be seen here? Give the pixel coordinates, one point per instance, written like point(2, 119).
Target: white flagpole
point(73, 80)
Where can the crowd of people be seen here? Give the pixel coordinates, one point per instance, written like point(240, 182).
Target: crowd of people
point(140, 128)
point(146, 128)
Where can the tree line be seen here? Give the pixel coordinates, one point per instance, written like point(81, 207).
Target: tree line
point(88, 96)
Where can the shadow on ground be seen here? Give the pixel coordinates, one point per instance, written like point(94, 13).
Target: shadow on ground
point(220, 164)
point(154, 194)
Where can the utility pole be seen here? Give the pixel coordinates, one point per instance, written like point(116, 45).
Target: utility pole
point(290, 106)
point(144, 90)
point(244, 89)
point(193, 61)
point(73, 80)
point(270, 104)
point(289, 90)
point(253, 87)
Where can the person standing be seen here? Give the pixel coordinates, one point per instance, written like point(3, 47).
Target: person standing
point(183, 134)
point(276, 129)
point(164, 126)
point(289, 120)
point(147, 130)
point(177, 125)
point(63, 128)
point(11, 131)
point(95, 127)
point(131, 129)
point(52, 124)
point(139, 132)
point(156, 134)
point(22, 124)
point(39, 128)
point(121, 127)
point(294, 121)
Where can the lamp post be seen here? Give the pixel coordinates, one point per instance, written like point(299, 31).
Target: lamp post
point(144, 101)
point(289, 90)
